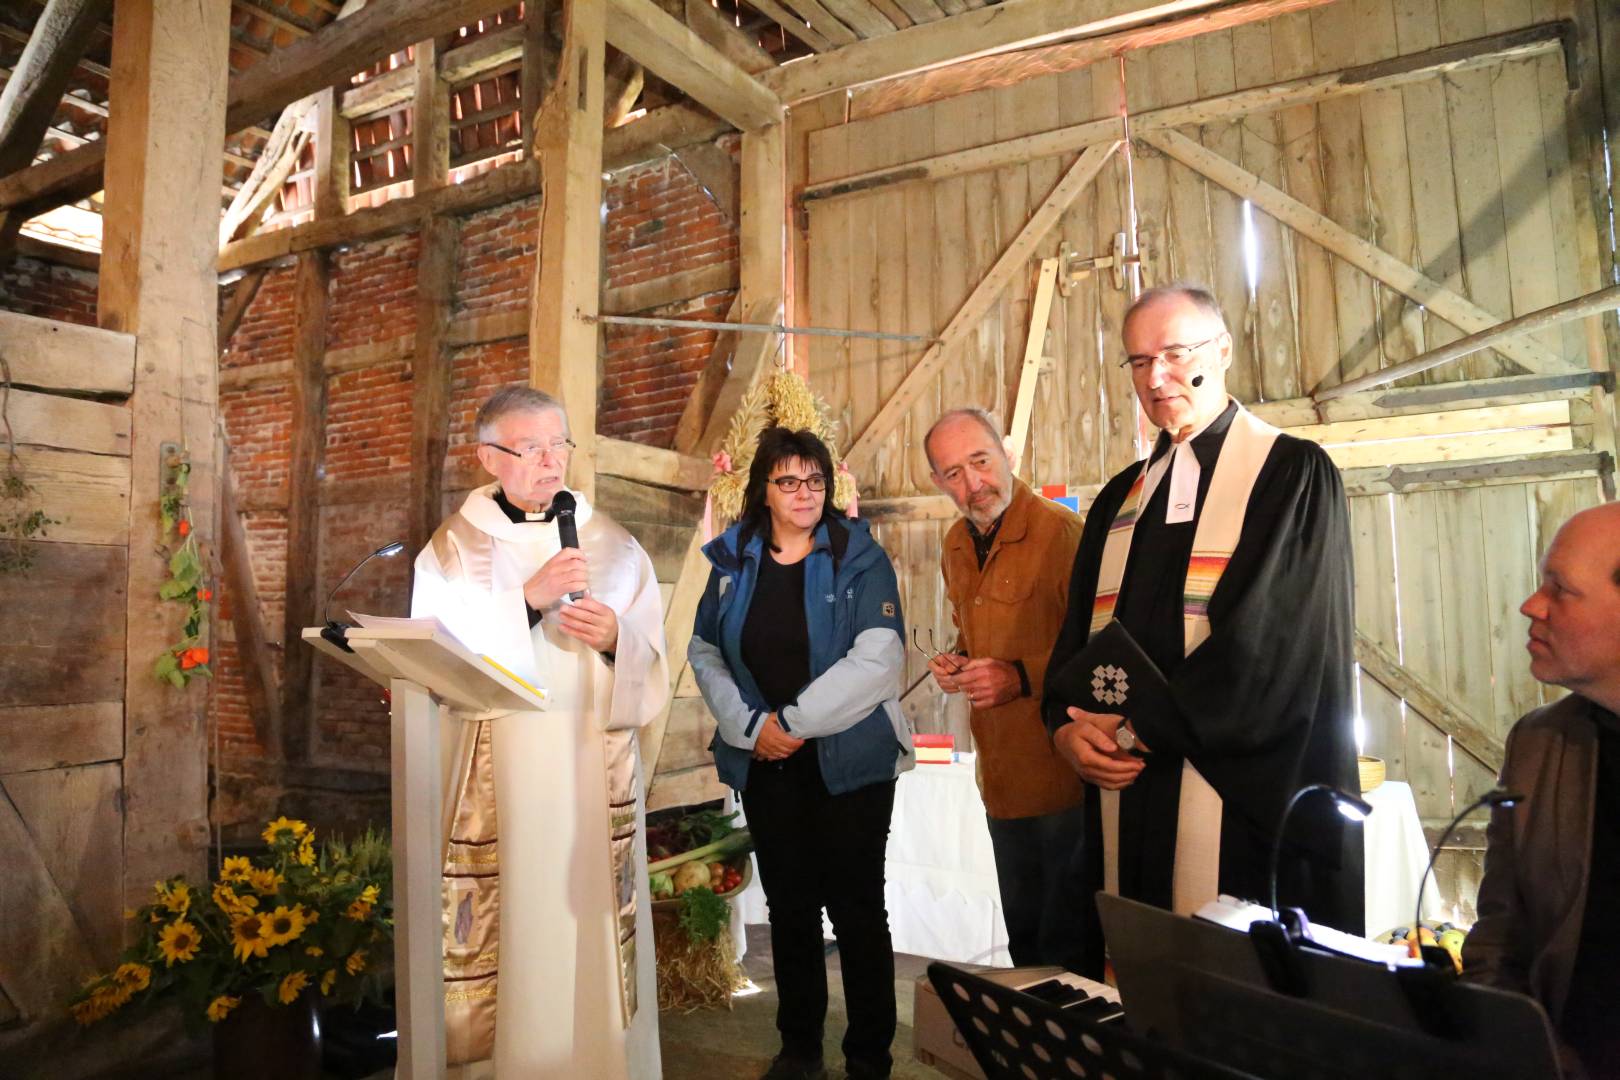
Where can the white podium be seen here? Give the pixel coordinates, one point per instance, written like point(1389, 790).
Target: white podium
point(436, 686)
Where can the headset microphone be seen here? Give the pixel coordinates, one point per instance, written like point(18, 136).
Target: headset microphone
point(1197, 380)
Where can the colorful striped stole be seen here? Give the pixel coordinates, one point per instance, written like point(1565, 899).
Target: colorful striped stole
point(1220, 524)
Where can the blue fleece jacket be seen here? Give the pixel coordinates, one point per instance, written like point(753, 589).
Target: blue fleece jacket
point(851, 706)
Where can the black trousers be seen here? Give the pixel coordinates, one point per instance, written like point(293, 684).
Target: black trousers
point(816, 850)
point(1040, 875)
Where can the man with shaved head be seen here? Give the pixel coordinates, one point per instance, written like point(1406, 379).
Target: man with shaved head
point(1549, 903)
point(1226, 557)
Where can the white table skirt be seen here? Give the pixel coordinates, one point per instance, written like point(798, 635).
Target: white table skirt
point(944, 902)
point(1396, 855)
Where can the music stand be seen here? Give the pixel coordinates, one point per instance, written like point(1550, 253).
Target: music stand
point(1203, 988)
point(1017, 1036)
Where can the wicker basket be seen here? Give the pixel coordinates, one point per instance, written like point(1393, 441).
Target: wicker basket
point(1372, 772)
point(673, 903)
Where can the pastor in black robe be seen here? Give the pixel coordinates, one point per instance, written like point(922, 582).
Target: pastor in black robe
point(1263, 706)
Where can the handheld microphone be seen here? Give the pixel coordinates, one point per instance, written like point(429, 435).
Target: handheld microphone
point(562, 510)
point(333, 630)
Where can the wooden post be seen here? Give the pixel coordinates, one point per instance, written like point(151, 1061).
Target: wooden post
point(157, 282)
point(567, 284)
point(333, 140)
point(762, 232)
point(252, 648)
point(430, 377)
point(430, 122)
point(538, 67)
point(307, 438)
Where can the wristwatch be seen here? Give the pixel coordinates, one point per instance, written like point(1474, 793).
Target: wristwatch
point(1126, 739)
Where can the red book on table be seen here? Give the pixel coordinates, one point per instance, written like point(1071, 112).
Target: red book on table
point(934, 749)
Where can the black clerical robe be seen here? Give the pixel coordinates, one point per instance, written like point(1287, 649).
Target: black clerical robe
point(1263, 706)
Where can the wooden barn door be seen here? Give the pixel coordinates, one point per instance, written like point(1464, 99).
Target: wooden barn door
point(62, 675)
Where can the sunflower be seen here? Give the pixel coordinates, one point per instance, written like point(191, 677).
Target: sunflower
point(221, 1007)
point(360, 908)
point(283, 924)
point(178, 942)
point(284, 826)
point(327, 980)
point(133, 977)
point(103, 1001)
point(249, 936)
point(356, 963)
point(292, 986)
point(265, 882)
point(315, 951)
point(227, 900)
point(236, 869)
point(306, 850)
point(178, 898)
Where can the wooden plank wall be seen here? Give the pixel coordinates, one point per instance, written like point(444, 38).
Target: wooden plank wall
point(1467, 177)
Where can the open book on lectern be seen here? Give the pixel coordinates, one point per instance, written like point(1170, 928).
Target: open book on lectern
point(432, 626)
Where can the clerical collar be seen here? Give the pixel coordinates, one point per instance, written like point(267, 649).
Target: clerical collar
point(1181, 461)
point(516, 515)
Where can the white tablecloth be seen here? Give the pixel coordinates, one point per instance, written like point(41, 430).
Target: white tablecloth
point(941, 875)
point(1396, 854)
point(942, 894)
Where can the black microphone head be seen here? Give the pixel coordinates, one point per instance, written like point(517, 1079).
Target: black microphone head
point(563, 502)
point(1198, 380)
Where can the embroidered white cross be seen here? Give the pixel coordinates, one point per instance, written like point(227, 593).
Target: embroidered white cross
point(1108, 684)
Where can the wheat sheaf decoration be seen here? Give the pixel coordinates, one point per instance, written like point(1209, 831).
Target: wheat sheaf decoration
point(783, 400)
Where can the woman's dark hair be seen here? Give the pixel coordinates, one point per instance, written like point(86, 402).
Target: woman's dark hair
point(778, 444)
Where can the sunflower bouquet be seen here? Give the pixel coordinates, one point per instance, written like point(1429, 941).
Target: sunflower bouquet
point(289, 922)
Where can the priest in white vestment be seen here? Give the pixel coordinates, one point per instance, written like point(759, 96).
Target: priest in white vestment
point(547, 918)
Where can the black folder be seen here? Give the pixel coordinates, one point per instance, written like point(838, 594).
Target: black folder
point(1113, 675)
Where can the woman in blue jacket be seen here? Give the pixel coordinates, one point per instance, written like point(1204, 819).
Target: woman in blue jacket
point(799, 653)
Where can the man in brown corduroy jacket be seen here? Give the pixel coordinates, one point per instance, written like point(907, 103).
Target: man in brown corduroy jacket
point(1006, 567)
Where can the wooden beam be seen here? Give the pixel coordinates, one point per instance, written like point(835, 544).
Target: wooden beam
point(718, 174)
point(862, 17)
point(1014, 259)
point(1440, 397)
point(1367, 257)
point(430, 127)
point(651, 464)
point(463, 64)
point(718, 30)
point(37, 83)
point(679, 56)
point(1383, 75)
point(334, 140)
point(563, 351)
point(658, 134)
point(1002, 28)
point(762, 232)
point(1592, 303)
point(753, 358)
point(498, 186)
point(539, 67)
point(276, 160)
point(796, 26)
point(278, 21)
point(1431, 704)
point(1030, 372)
point(430, 378)
point(241, 299)
point(247, 618)
point(157, 282)
point(700, 404)
point(34, 247)
point(670, 289)
point(306, 437)
point(325, 59)
point(52, 355)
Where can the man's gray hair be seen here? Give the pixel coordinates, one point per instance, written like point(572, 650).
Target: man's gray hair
point(515, 399)
point(1199, 296)
point(968, 412)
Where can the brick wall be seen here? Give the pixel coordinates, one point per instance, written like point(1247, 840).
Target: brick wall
point(658, 220)
point(36, 287)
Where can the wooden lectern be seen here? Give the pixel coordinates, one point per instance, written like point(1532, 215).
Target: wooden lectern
point(432, 678)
